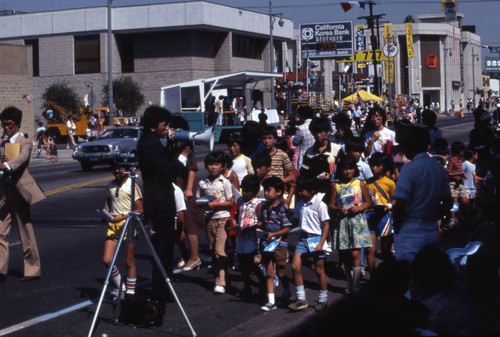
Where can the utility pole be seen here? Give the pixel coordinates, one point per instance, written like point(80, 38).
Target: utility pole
point(111, 104)
point(373, 41)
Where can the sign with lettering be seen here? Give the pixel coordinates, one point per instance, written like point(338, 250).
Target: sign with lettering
point(365, 56)
point(492, 65)
point(327, 40)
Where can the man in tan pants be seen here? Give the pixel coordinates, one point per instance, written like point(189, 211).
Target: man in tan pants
point(20, 192)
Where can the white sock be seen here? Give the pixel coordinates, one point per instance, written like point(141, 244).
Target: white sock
point(131, 285)
point(270, 298)
point(116, 278)
point(356, 271)
point(301, 293)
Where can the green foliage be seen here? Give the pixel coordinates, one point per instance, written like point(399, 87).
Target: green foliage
point(409, 18)
point(127, 95)
point(63, 95)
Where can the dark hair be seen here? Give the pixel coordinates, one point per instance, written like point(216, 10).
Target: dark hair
point(441, 146)
point(214, 157)
point(355, 144)
point(307, 183)
point(234, 138)
point(456, 147)
point(250, 133)
point(305, 111)
point(179, 122)
point(415, 138)
point(397, 166)
point(433, 270)
point(262, 159)
point(342, 121)
point(377, 110)
point(12, 113)
point(319, 124)
point(154, 115)
point(227, 161)
point(468, 154)
point(270, 130)
point(380, 158)
point(347, 161)
point(428, 117)
point(274, 182)
point(251, 183)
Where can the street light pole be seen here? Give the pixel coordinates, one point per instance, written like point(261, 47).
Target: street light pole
point(474, 77)
point(446, 50)
point(272, 19)
point(111, 104)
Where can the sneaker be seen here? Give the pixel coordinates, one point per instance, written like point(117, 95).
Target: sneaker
point(298, 305)
point(219, 290)
point(269, 307)
point(321, 307)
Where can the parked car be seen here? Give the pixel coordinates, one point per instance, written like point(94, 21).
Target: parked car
point(112, 143)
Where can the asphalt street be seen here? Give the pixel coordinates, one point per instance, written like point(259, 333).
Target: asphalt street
point(70, 237)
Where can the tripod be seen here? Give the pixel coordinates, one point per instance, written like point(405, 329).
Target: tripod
point(134, 219)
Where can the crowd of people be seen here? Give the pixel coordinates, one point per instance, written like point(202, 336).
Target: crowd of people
point(339, 185)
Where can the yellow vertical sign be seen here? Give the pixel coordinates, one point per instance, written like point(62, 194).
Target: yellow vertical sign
point(409, 40)
point(389, 65)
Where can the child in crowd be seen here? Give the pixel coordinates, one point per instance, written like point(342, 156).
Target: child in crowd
point(262, 166)
point(456, 176)
point(350, 198)
point(227, 171)
point(440, 151)
point(248, 213)
point(242, 165)
point(281, 166)
point(355, 148)
point(118, 203)
point(217, 214)
point(379, 216)
point(469, 168)
point(274, 248)
point(396, 170)
point(313, 219)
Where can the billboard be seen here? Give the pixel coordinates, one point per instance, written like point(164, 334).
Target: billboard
point(492, 64)
point(327, 40)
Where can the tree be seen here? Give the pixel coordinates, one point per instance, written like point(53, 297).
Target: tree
point(127, 95)
point(62, 94)
point(409, 19)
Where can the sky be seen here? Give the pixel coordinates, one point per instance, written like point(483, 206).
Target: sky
point(481, 13)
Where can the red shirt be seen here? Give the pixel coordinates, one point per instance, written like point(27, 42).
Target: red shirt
point(454, 167)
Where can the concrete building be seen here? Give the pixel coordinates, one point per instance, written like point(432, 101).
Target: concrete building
point(154, 45)
point(16, 83)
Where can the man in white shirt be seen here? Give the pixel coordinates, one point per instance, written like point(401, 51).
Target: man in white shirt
point(71, 127)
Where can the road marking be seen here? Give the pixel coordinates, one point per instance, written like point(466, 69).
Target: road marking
point(47, 317)
point(70, 187)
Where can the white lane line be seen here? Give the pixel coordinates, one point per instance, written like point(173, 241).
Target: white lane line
point(56, 314)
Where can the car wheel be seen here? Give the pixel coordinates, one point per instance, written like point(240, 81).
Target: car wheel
point(86, 166)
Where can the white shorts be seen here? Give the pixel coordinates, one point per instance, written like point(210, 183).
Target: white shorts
point(471, 193)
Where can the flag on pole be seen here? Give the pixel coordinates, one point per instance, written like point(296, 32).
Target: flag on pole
point(350, 4)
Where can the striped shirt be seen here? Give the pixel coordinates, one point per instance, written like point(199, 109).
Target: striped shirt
point(275, 219)
point(280, 164)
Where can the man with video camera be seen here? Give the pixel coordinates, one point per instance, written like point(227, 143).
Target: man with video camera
point(159, 169)
point(422, 194)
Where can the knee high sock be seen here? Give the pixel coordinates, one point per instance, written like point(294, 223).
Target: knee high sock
point(356, 271)
point(116, 277)
point(348, 275)
point(131, 285)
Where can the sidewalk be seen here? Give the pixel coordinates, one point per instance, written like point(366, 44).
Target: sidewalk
point(64, 156)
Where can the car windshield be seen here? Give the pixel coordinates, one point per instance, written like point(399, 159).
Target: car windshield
point(120, 133)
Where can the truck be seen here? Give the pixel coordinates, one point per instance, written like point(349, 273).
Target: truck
point(190, 99)
point(58, 129)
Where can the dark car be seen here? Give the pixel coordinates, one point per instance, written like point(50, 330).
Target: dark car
point(112, 143)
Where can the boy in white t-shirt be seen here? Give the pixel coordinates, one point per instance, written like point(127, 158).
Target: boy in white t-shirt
point(469, 169)
point(312, 215)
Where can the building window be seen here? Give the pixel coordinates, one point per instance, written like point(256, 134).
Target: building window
point(35, 56)
point(247, 47)
point(87, 54)
point(126, 51)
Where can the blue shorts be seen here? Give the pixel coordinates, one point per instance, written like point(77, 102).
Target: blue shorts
point(303, 247)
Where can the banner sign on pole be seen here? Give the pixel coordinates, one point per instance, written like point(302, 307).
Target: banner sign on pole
point(409, 40)
point(360, 42)
point(327, 40)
